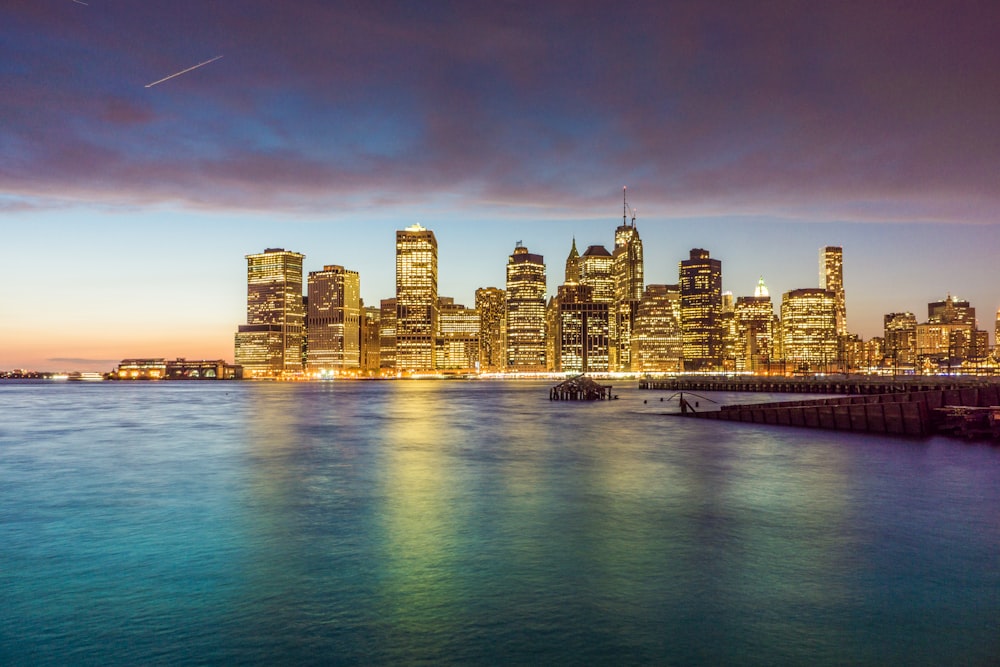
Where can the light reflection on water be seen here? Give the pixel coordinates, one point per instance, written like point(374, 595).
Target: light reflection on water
point(477, 522)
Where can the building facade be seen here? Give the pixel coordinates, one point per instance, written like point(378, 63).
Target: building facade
point(831, 277)
point(657, 341)
point(457, 347)
point(701, 310)
point(333, 321)
point(491, 303)
point(754, 323)
point(525, 311)
point(416, 299)
point(899, 339)
point(371, 322)
point(387, 336)
point(629, 282)
point(270, 344)
point(809, 330)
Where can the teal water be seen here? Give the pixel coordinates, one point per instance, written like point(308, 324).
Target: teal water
point(477, 523)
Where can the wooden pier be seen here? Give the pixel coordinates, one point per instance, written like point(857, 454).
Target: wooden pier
point(864, 384)
point(966, 412)
point(580, 388)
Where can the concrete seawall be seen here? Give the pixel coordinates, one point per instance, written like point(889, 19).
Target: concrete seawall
point(912, 413)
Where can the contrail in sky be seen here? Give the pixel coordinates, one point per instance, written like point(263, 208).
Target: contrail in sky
point(183, 71)
point(80, 2)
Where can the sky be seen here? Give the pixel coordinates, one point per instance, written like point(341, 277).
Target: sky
point(760, 131)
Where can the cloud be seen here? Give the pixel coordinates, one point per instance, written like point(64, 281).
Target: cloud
point(841, 110)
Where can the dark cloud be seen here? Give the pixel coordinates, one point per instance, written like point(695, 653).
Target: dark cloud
point(842, 110)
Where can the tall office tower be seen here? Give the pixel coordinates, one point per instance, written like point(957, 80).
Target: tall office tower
point(416, 299)
point(457, 347)
point(582, 339)
point(657, 342)
point(754, 319)
point(628, 287)
point(525, 311)
point(333, 320)
point(899, 338)
point(573, 264)
point(491, 302)
point(270, 343)
point(701, 307)
point(371, 318)
point(596, 270)
point(831, 277)
point(387, 336)
point(809, 329)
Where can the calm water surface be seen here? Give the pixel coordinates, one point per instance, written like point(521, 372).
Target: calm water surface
point(477, 523)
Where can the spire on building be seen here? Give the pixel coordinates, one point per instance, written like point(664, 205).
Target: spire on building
point(761, 289)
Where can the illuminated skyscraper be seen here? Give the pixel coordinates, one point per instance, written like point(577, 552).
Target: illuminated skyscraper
point(416, 299)
point(701, 307)
point(525, 311)
point(582, 341)
point(333, 322)
point(370, 340)
point(657, 343)
point(596, 270)
point(387, 336)
point(491, 302)
point(457, 347)
point(831, 277)
point(628, 288)
point(809, 329)
point(900, 338)
point(996, 336)
point(754, 319)
point(270, 343)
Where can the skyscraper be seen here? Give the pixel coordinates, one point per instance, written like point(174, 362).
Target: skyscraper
point(525, 311)
point(333, 320)
point(754, 319)
point(809, 329)
point(701, 308)
point(270, 343)
point(657, 342)
point(573, 265)
point(581, 339)
point(491, 302)
point(457, 347)
point(596, 270)
point(831, 277)
point(387, 336)
point(628, 288)
point(900, 338)
point(370, 340)
point(416, 299)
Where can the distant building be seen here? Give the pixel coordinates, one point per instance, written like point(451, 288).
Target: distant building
point(416, 299)
point(525, 311)
point(627, 273)
point(596, 266)
point(657, 342)
point(809, 329)
point(333, 321)
point(491, 303)
point(457, 347)
point(270, 343)
point(900, 339)
point(582, 332)
point(701, 308)
point(178, 369)
point(831, 277)
point(387, 336)
point(754, 320)
point(371, 353)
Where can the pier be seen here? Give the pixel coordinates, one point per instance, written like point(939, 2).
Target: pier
point(967, 412)
point(864, 385)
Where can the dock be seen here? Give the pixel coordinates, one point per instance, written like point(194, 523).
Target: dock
point(969, 412)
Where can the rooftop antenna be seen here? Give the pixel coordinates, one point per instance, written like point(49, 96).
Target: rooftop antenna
point(624, 207)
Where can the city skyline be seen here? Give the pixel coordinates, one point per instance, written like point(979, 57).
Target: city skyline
point(758, 133)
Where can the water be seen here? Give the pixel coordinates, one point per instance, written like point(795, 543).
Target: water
point(477, 523)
